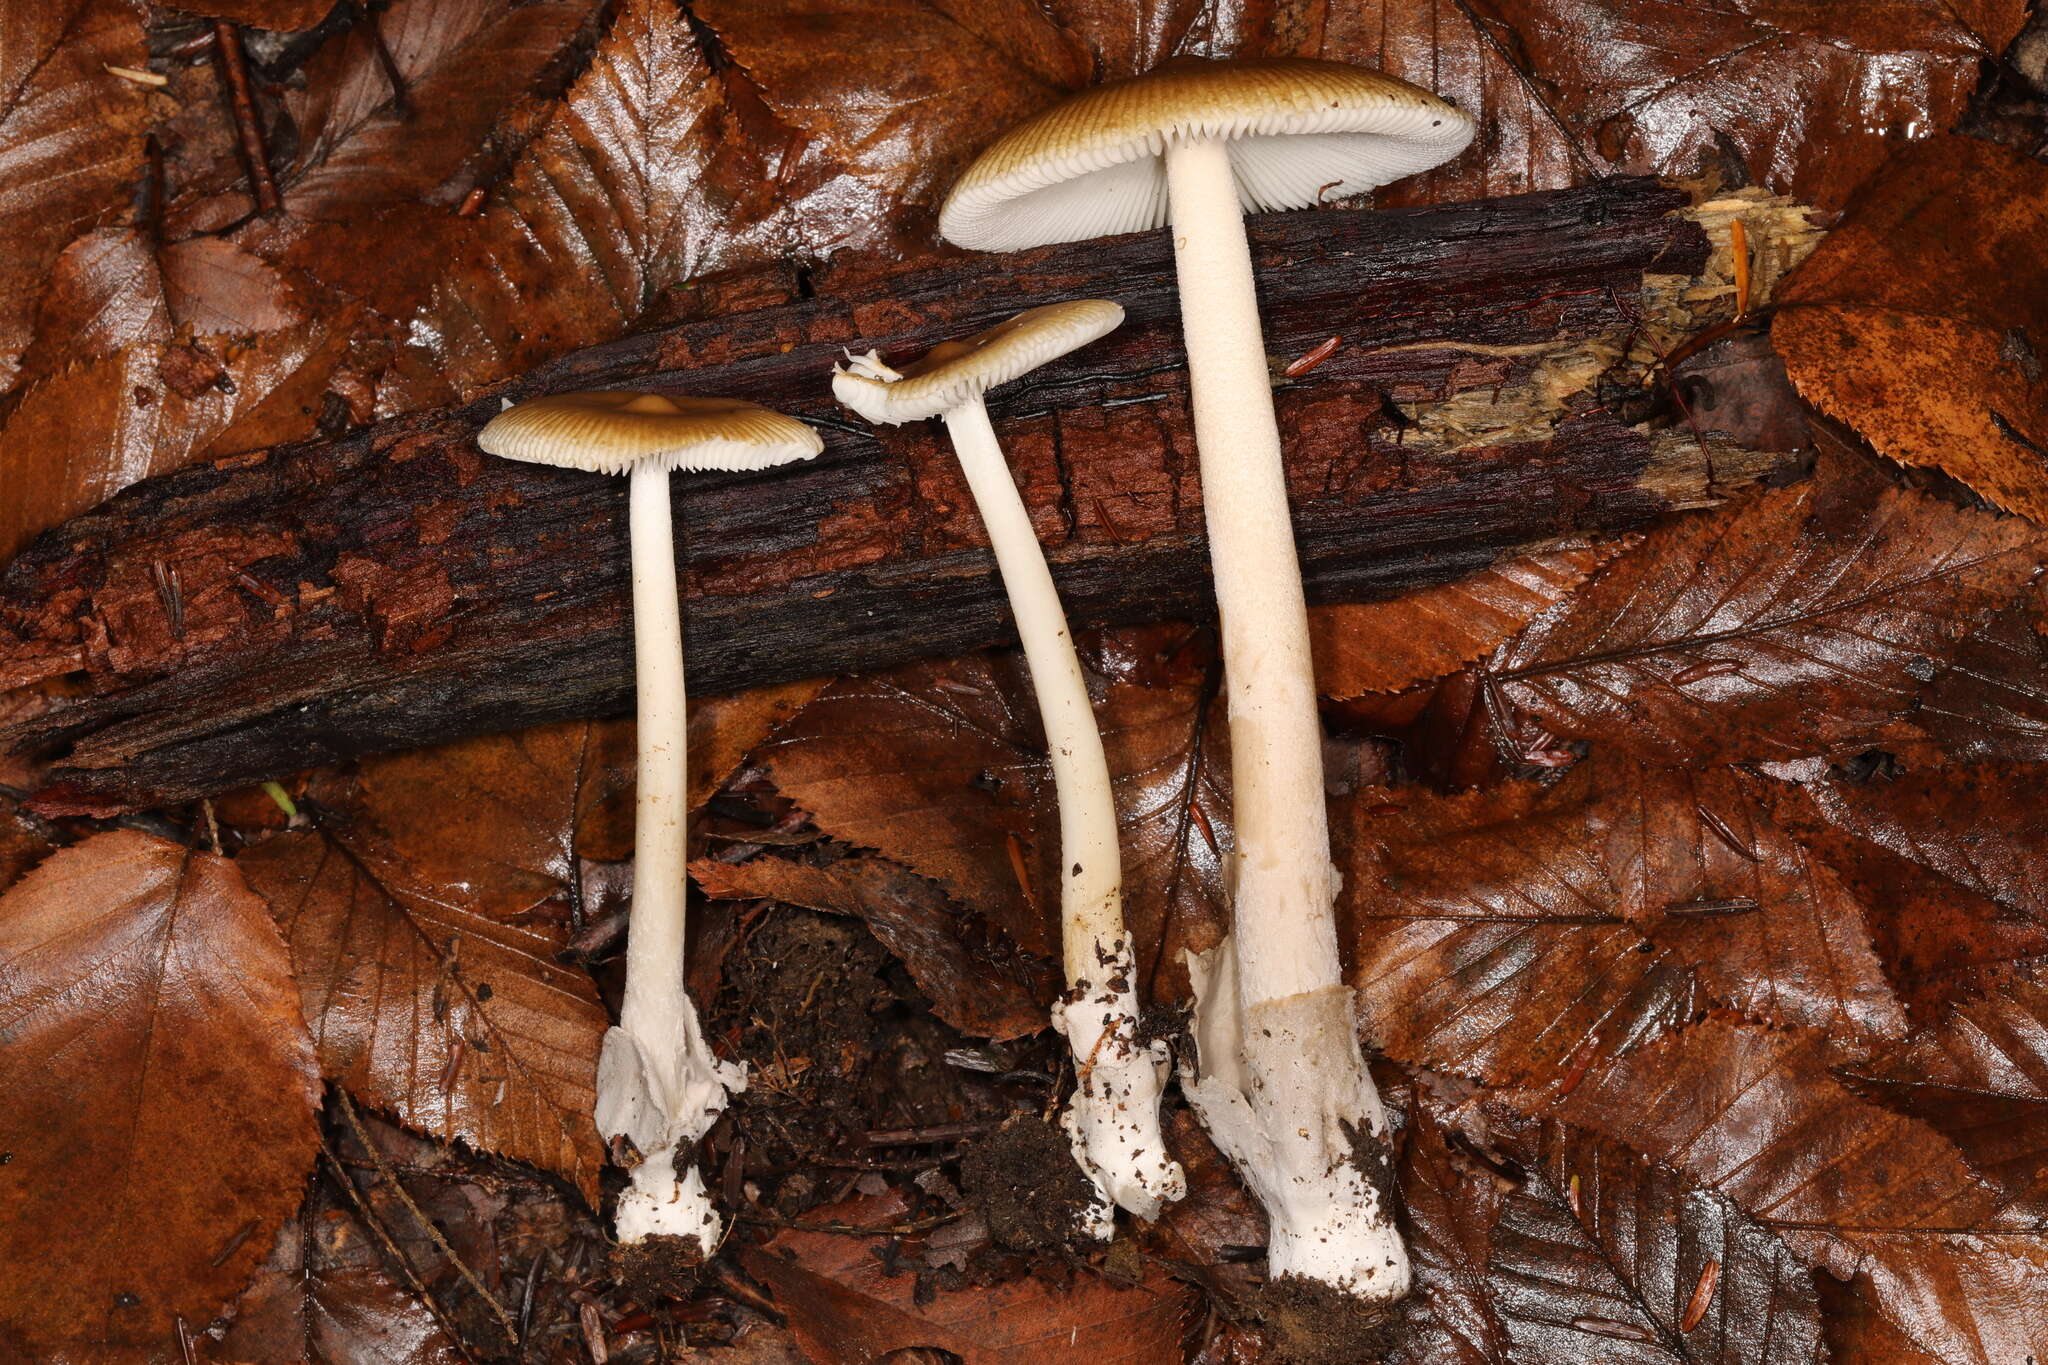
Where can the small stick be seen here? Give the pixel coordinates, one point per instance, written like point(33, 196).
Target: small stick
point(401, 107)
point(234, 66)
point(1702, 1295)
point(153, 190)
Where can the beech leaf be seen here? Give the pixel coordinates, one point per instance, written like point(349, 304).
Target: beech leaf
point(1979, 1076)
point(1597, 1254)
point(842, 1302)
point(460, 1025)
point(1920, 320)
point(158, 1091)
point(70, 138)
point(1781, 625)
point(1386, 646)
point(324, 1297)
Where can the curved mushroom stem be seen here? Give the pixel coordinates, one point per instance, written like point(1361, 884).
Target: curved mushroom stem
point(658, 1082)
point(1113, 1116)
point(1284, 1089)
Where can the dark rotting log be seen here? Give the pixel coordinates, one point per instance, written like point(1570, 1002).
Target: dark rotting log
point(393, 587)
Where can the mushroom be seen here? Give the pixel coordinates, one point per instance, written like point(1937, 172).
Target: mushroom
point(1112, 1118)
point(658, 1084)
point(1281, 1083)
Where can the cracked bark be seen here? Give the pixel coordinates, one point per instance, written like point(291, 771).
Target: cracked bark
point(393, 587)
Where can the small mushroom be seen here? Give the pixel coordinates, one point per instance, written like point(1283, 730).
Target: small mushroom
point(1113, 1115)
point(659, 1086)
point(1282, 1083)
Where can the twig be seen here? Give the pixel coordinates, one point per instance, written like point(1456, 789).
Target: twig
point(426, 1224)
point(401, 107)
point(390, 1245)
point(234, 67)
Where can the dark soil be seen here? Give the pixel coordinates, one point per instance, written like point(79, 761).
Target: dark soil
point(1023, 1179)
point(1312, 1323)
point(659, 1266)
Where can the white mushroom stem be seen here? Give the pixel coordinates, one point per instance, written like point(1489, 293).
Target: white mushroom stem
point(1283, 1086)
point(1113, 1117)
point(658, 1082)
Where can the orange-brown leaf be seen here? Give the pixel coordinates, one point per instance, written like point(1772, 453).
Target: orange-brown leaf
point(844, 1303)
point(70, 137)
point(1386, 646)
point(462, 1026)
point(158, 1091)
point(1922, 319)
point(1781, 625)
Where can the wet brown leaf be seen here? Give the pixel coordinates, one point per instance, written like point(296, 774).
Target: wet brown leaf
point(1977, 827)
point(70, 138)
point(1784, 624)
point(843, 1303)
point(158, 1090)
point(1592, 1254)
point(1979, 1076)
point(1922, 321)
point(942, 768)
point(461, 1025)
point(1991, 703)
point(1489, 942)
point(937, 766)
point(1752, 1112)
point(1386, 646)
point(1938, 940)
point(1592, 913)
point(643, 177)
point(911, 918)
point(81, 436)
point(280, 15)
point(495, 822)
point(324, 1297)
point(1806, 99)
point(1850, 1186)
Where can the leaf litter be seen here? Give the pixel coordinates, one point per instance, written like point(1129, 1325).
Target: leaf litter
point(1688, 890)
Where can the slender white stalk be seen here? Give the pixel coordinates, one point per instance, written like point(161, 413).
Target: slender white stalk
point(1283, 1090)
point(1113, 1118)
point(657, 1080)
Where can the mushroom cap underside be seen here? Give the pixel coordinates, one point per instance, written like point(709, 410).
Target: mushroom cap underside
point(953, 372)
point(1300, 132)
point(609, 431)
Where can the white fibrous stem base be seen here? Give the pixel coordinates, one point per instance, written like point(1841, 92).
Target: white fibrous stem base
point(1112, 1118)
point(663, 1111)
point(1284, 1093)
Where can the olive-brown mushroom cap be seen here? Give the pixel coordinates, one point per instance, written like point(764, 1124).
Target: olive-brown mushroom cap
point(609, 431)
point(954, 371)
point(1301, 132)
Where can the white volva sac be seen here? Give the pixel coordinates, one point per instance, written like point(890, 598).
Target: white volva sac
point(1280, 1080)
point(659, 1086)
point(1112, 1117)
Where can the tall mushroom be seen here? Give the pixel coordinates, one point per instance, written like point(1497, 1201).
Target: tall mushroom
point(1282, 1084)
point(1113, 1116)
point(658, 1084)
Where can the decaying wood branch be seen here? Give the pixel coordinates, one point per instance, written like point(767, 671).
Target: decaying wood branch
point(394, 588)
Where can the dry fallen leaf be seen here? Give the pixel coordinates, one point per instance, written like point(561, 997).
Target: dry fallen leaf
point(158, 1091)
point(460, 1025)
point(1922, 321)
